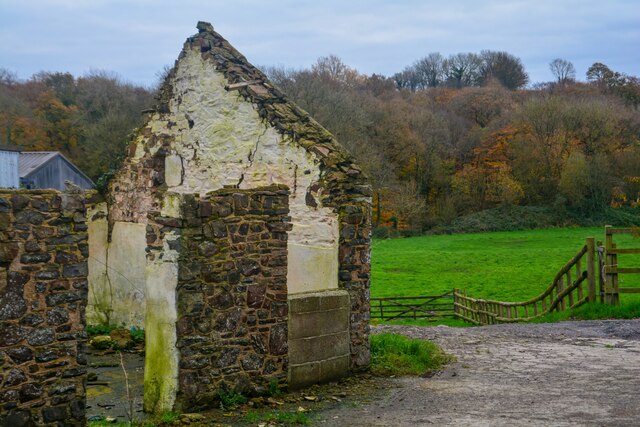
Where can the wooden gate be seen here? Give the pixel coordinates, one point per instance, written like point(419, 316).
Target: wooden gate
point(610, 288)
point(421, 307)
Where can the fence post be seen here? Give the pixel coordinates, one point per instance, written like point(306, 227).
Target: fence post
point(559, 288)
point(611, 262)
point(591, 268)
point(455, 300)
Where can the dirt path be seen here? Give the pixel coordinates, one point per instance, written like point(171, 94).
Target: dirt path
point(563, 374)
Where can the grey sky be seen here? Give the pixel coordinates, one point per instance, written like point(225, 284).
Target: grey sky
point(136, 38)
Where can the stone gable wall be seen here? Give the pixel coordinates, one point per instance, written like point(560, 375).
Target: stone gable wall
point(220, 124)
point(232, 294)
point(43, 293)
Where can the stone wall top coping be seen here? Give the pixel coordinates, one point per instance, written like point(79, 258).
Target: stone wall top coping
point(309, 302)
point(323, 293)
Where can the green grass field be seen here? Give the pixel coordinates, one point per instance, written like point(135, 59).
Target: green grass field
point(506, 266)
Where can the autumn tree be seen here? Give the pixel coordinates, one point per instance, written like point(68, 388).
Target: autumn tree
point(463, 69)
point(599, 73)
point(481, 105)
point(430, 70)
point(503, 68)
point(562, 70)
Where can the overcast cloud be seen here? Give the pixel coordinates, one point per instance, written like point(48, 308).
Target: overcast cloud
point(137, 38)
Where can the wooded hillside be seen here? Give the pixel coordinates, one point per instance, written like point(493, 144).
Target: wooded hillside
point(88, 119)
point(442, 140)
point(448, 137)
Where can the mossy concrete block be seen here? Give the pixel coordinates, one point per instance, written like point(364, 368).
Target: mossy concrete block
point(307, 374)
point(333, 369)
point(101, 342)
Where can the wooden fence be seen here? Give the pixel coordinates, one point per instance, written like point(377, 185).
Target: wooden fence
point(423, 307)
point(572, 286)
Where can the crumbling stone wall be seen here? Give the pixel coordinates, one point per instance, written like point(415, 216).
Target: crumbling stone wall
point(232, 294)
point(219, 123)
point(354, 257)
point(43, 292)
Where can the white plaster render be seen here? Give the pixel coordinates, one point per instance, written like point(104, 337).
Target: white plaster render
point(161, 363)
point(173, 170)
point(228, 144)
point(116, 273)
point(99, 302)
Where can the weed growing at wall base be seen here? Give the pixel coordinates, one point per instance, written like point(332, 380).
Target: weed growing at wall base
point(230, 399)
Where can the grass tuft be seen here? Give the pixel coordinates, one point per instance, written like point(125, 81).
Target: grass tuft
point(393, 354)
point(169, 417)
point(287, 418)
point(93, 330)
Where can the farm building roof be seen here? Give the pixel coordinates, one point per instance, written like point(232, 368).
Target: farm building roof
point(31, 161)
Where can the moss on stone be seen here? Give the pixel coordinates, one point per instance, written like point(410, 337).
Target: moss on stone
point(159, 369)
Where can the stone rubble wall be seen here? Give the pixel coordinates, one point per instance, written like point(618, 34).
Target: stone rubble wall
point(43, 294)
point(341, 185)
point(232, 294)
point(220, 123)
point(354, 258)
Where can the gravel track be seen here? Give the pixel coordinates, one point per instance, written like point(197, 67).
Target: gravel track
point(562, 374)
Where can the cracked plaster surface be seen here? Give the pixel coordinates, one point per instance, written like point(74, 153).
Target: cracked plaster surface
point(220, 140)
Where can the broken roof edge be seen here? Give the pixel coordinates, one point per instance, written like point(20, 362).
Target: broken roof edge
point(10, 148)
point(272, 105)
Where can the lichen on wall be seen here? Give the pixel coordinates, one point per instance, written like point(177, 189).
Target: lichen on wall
point(100, 302)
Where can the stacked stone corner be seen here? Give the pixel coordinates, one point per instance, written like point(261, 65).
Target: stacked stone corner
point(43, 294)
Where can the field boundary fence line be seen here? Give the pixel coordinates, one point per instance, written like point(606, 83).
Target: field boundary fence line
point(574, 284)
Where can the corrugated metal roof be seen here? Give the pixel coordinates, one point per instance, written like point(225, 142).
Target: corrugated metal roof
point(32, 160)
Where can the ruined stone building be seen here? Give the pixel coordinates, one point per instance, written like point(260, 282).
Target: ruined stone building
point(237, 233)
